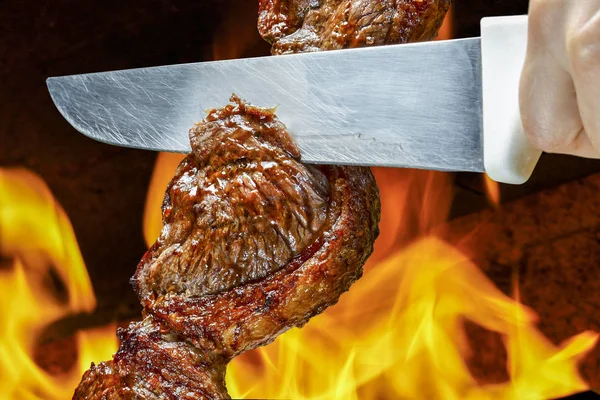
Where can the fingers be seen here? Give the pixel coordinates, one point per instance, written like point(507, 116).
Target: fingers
point(549, 109)
point(559, 98)
point(584, 54)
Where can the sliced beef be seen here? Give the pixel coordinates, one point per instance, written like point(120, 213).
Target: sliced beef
point(254, 241)
point(327, 216)
point(239, 208)
point(294, 26)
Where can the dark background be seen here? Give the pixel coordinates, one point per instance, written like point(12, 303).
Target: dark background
point(103, 188)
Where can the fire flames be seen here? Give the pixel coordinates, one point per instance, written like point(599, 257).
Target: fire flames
point(37, 240)
point(399, 333)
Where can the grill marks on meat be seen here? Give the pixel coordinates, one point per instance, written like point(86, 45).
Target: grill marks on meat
point(294, 26)
point(240, 207)
point(254, 242)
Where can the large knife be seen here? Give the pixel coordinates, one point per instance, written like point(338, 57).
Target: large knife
point(447, 105)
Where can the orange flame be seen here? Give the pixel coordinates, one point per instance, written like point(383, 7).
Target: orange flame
point(492, 191)
point(399, 333)
point(164, 170)
point(37, 235)
point(446, 30)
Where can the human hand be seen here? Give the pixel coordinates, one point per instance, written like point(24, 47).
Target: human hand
point(560, 82)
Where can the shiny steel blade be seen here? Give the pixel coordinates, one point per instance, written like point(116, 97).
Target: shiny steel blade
point(410, 105)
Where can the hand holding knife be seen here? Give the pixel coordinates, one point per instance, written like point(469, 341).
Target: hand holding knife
point(450, 105)
point(560, 86)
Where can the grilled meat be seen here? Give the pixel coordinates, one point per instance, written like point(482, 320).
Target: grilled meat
point(153, 363)
point(294, 26)
point(283, 239)
point(254, 242)
point(239, 208)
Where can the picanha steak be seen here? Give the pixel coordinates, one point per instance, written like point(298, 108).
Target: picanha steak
point(254, 241)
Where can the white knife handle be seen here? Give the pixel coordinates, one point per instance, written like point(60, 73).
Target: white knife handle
point(507, 154)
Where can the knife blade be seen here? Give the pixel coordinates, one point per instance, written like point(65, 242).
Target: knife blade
point(410, 105)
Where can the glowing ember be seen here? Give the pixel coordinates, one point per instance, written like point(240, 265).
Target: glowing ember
point(37, 235)
point(492, 191)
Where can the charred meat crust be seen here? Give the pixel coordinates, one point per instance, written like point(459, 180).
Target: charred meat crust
point(294, 26)
point(153, 364)
point(243, 318)
point(253, 312)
